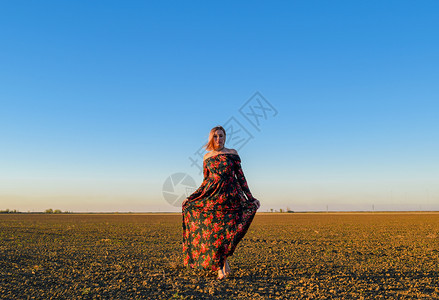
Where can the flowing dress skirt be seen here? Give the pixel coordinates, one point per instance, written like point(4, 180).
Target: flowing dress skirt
point(218, 214)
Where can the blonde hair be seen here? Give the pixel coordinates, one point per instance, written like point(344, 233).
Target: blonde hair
point(210, 144)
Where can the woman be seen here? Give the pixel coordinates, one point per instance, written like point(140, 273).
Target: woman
point(217, 215)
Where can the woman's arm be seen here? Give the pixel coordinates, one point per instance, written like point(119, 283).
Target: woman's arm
point(241, 180)
point(200, 190)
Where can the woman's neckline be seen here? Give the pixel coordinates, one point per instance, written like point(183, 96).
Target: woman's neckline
point(221, 154)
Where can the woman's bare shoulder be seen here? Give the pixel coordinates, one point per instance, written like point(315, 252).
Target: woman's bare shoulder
point(233, 151)
point(207, 155)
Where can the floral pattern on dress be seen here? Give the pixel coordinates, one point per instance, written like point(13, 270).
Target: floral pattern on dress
point(218, 214)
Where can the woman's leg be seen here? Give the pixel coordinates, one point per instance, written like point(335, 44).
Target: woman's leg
point(227, 268)
point(224, 271)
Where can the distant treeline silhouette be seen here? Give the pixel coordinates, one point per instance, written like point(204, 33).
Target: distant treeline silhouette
point(47, 211)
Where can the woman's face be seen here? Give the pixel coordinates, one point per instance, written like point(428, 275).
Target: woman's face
point(219, 139)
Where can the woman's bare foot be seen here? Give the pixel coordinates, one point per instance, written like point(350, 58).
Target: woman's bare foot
point(224, 271)
point(221, 274)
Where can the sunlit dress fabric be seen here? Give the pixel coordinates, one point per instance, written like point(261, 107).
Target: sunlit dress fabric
point(218, 214)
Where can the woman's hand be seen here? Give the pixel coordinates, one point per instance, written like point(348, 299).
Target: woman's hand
point(184, 202)
point(257, 203)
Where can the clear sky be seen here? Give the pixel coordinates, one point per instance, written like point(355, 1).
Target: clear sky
point(102, 101)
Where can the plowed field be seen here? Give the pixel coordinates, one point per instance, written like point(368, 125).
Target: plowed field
point(283, 256)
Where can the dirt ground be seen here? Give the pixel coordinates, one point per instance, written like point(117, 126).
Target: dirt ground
point(283, 256)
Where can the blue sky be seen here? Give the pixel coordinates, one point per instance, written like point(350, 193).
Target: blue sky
point(102, 101)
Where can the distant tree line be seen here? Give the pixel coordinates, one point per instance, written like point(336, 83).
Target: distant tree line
point(281, 210)
point(56, 211)
point(47, 211)
point(7, 211)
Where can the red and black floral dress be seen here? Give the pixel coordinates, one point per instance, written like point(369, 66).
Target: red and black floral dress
point(217, 215)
